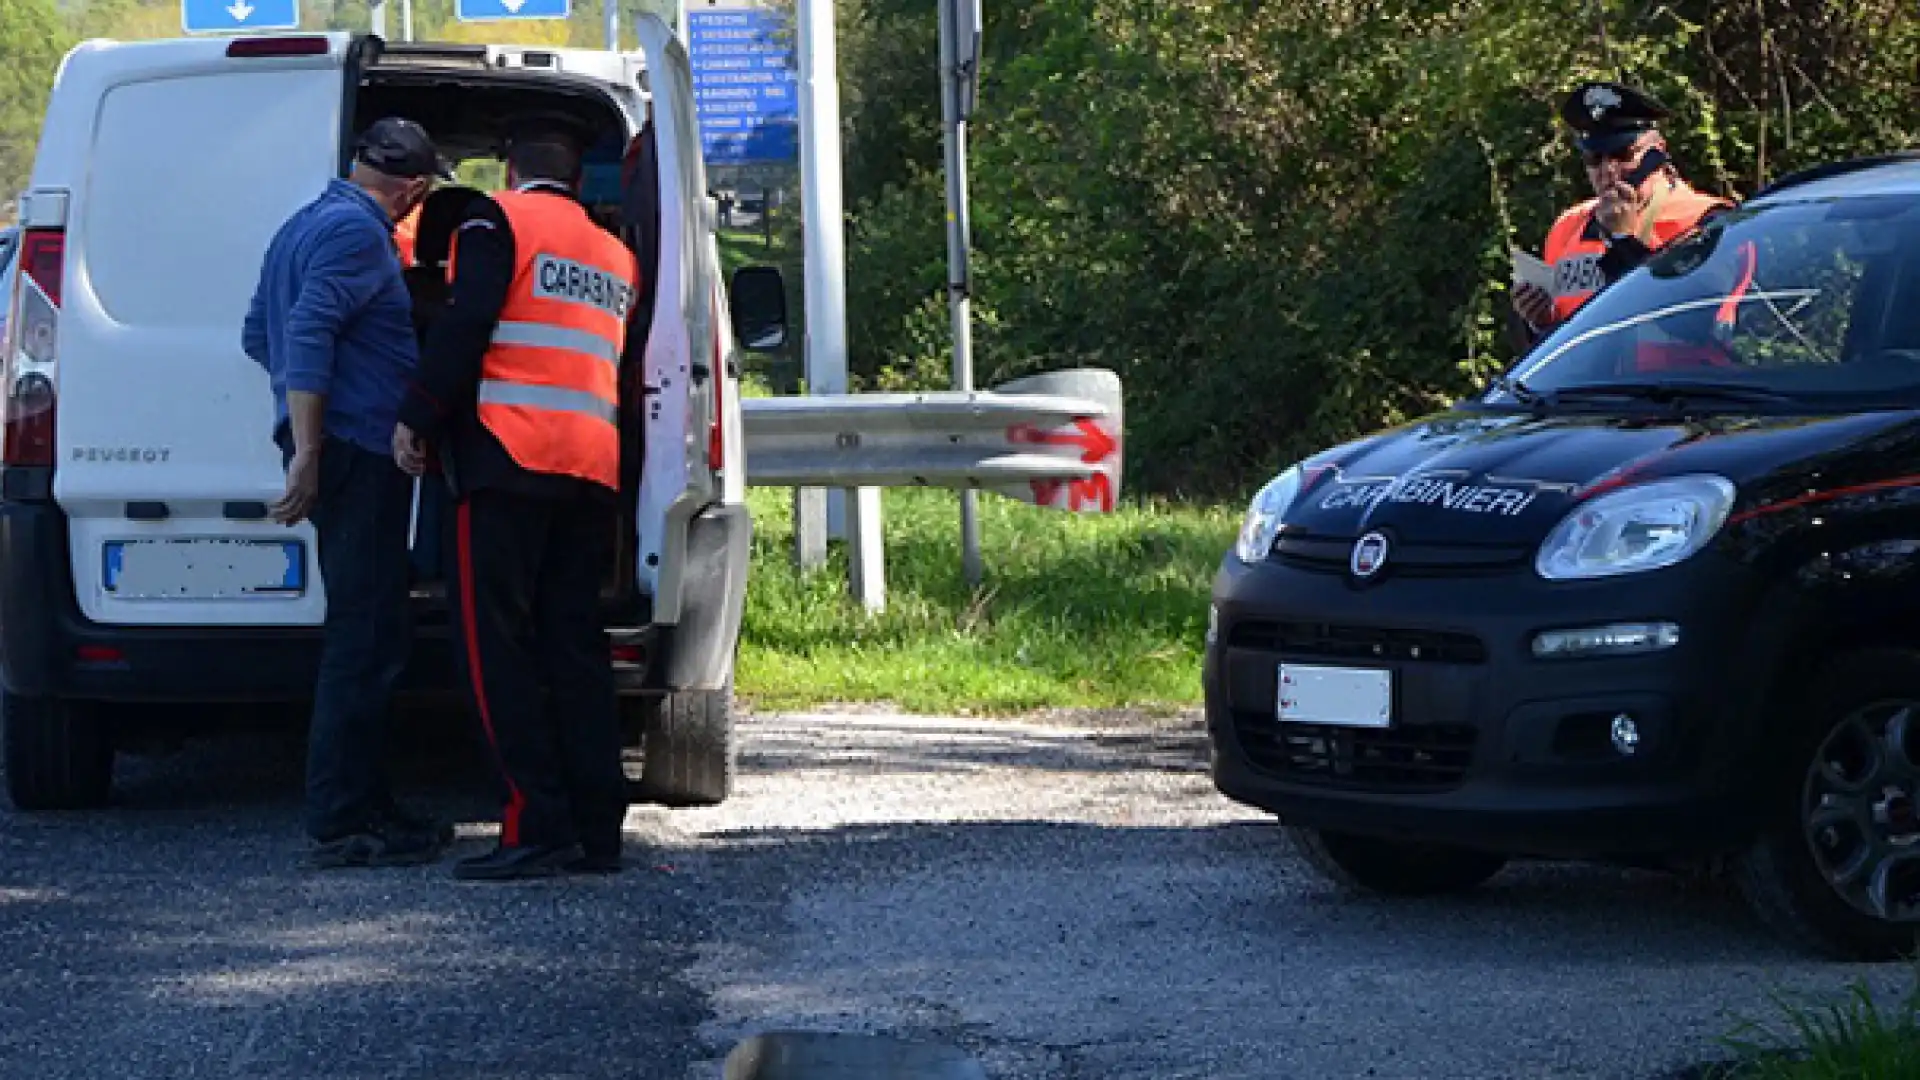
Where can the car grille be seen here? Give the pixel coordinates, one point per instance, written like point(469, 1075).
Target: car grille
point(1330, 641)
point(1415, 758)
point(1330, 555)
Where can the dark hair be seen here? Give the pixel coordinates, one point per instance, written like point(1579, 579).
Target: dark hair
point(545, 157)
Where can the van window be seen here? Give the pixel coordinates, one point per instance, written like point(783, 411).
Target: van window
point(190, 178)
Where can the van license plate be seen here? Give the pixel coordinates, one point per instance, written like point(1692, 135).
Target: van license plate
point(1342, 697)
point(204, 569)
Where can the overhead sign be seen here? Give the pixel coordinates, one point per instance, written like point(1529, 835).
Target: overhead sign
point(502, 10)
point(227, 16)
point(745, 88)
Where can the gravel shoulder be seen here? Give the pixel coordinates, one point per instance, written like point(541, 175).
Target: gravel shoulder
point(1073, 899)
point(1065, 898)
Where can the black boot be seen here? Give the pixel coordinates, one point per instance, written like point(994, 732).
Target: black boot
point(516, 863)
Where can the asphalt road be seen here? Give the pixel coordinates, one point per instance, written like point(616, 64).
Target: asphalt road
point(1062, 901)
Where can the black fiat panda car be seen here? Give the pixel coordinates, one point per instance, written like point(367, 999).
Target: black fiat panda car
point(1652, 596)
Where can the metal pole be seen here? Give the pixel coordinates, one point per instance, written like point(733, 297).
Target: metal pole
point(826, 287)
point(612, 13)
point(406, 20)
point(379, 10)
point(958, 300)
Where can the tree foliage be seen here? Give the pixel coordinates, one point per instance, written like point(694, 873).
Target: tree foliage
point(33, 38)
point(1287, 224)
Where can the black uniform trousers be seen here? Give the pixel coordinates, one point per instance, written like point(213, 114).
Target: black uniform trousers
point(528, 573)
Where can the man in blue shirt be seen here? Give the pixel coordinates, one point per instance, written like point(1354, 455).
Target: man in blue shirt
point(332, 323)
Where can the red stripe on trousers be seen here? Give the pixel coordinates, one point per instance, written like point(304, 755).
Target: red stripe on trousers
point(470, 623)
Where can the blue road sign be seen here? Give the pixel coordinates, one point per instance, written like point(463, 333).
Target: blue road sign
point(226, 16)
point(744, 86)
point(504, 10)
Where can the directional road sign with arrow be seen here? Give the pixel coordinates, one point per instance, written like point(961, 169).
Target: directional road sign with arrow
point(227, 16)
point(498, 10)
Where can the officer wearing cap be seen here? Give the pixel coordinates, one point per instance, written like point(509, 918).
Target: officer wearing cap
point(1640, 204)
point(518, 392)
point(332, 323)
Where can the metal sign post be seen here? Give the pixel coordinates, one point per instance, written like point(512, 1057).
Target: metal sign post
point(826, 285)
point(959, 90)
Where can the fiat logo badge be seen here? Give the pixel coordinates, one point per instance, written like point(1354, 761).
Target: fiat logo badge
point(1369, 555)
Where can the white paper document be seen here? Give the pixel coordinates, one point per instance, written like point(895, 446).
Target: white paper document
point(1529, 269)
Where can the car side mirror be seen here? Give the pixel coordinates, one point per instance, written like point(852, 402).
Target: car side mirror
point(758, 297)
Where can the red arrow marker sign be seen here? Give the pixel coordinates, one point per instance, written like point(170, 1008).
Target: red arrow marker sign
point(1095, 444)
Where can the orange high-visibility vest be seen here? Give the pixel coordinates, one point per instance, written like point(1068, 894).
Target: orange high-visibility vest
point(1576, 259)
point(404, 233)
point(549, 387)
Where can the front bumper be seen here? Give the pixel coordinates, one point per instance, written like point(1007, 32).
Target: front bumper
point(1489, 746)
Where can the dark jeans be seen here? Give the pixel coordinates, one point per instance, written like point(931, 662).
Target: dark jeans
point(360, 521)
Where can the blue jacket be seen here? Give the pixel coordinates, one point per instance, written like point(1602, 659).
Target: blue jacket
point(332, 315)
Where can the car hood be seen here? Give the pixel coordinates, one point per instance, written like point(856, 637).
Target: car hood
point(1477, 478)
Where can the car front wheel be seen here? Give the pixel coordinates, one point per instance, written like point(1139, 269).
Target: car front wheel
point(1836, 867)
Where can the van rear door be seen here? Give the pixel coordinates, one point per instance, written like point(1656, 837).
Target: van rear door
point(687, 442)
point(179, 160)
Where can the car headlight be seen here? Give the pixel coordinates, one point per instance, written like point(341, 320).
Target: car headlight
point(1645, 527)
point(1264, 515)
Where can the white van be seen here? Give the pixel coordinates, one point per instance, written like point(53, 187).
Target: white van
point(138, 566)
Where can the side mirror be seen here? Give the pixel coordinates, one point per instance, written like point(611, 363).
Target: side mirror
point(758, 297)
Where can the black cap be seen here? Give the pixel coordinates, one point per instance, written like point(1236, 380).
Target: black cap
point(400, 147)
point(1609, 115)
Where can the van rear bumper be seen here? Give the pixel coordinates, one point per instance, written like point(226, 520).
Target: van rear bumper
point(48, 648)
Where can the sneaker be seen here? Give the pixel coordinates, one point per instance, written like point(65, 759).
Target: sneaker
point(381, 844)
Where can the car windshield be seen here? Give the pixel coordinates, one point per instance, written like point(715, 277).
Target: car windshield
point(1813, 300)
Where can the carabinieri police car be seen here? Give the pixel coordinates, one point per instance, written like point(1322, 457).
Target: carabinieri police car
point(1652, 596)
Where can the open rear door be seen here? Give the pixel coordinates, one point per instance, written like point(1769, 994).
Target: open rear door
point(682, 469)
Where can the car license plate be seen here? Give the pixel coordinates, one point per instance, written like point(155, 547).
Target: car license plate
point(209, 568)
point(1338, 696)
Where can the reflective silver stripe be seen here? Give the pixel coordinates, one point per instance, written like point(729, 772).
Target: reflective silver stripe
point(543, 336)
point(553, 398)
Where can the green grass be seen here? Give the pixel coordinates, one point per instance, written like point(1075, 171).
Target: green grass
point(1073, 610)
point(1853, 1038)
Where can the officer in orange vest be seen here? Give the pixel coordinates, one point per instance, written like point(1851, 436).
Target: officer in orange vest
point(517, 392)
point(405, 231)
point(1641, 204)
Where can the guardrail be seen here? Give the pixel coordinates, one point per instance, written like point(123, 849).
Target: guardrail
point(1052, 440)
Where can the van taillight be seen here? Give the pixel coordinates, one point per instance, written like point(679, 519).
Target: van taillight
point(277, 46)
point(32, 349)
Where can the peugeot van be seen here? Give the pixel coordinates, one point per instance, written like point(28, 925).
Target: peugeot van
point(138, 565)
point(1652, 596)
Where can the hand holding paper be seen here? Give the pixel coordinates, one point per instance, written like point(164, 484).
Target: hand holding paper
point(1528, 269)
